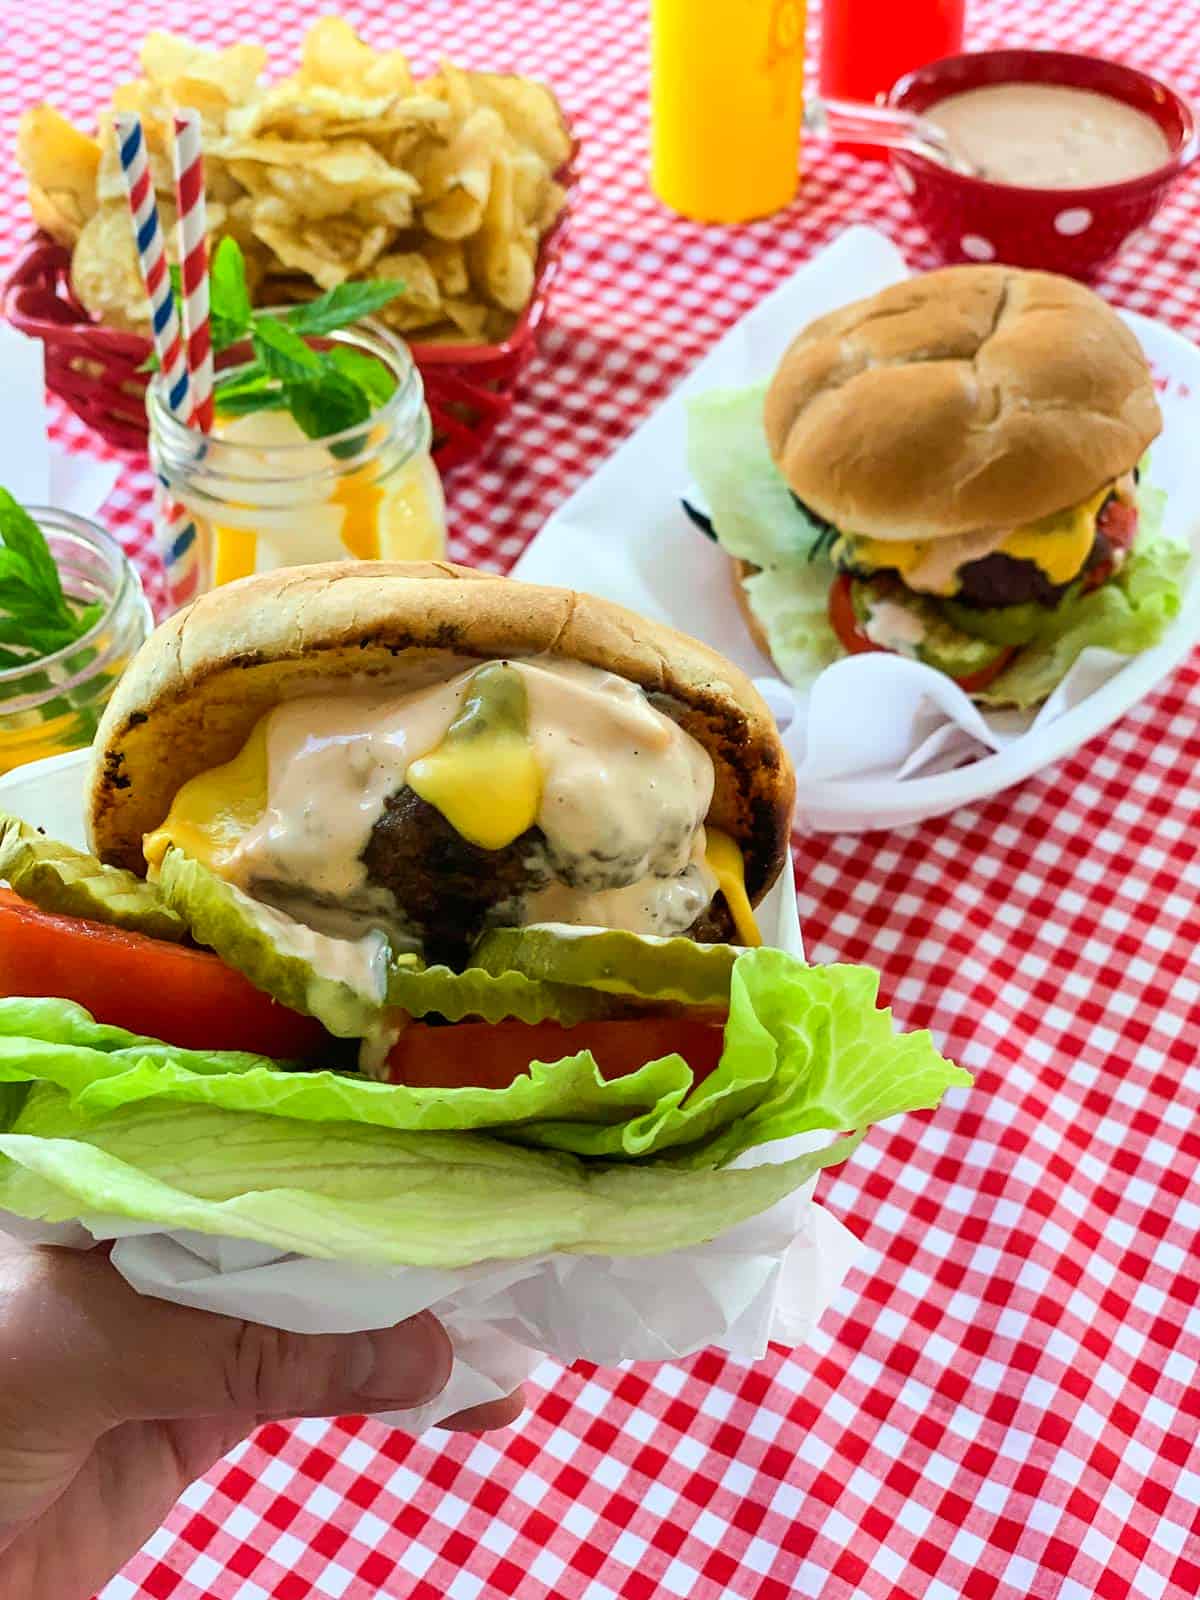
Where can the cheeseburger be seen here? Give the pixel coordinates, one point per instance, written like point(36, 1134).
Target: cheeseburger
point(963, 451)
point(348, 765)
point(485, 862)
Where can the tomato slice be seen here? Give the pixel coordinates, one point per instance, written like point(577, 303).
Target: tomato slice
point(845, 623)
point(854, 641)
point(490, 1055)
point(1118, 523)
point(166, 991)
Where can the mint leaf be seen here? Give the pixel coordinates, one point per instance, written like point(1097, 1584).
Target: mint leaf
point(339, 307)
point(245, 402)
point(282, 353)
point(377, 381)
point(230, 312)
point(24, 539)
point(328, 405)
point(229, 297)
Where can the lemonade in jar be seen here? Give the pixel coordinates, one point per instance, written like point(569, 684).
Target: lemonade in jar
point(279, 482)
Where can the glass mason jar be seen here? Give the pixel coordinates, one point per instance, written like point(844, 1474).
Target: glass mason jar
point(260, 494)
point(54, 704)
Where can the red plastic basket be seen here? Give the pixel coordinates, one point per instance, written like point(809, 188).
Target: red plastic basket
point(94, 369)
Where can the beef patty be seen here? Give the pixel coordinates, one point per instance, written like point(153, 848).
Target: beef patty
point(449, 888)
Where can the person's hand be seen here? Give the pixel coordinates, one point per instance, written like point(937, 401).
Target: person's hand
point(111, 1403)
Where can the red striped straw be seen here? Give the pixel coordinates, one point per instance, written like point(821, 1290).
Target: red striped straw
point(178, 541)
point(193, 264)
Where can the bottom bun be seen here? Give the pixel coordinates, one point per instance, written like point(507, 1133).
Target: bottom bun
point(741, 571)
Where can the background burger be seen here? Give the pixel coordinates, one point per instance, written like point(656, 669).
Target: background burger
point(498, 846)
point(956, 464)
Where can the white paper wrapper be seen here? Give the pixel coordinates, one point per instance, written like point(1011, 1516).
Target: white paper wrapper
point(767, 1279)
point(879, 741)
point(30, 469)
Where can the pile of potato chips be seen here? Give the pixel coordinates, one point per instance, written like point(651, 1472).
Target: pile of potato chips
point(349, 169)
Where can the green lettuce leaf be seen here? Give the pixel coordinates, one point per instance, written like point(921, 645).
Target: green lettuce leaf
point(805, 1048)
point(1127, 615)
point(755, 518)
point(339, 1165)
point(348, 1192)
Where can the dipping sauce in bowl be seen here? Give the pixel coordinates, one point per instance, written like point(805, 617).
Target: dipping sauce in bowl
point(1077, 153)
point(1047, 136)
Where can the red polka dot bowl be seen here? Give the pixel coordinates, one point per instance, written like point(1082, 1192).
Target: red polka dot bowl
point(1073, 231)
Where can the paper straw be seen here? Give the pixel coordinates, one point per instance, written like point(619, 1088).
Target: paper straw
point(193, 263)
point(179, 544)
point(152, 258)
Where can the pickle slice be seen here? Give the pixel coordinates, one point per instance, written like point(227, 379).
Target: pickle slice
point(57, 877)
point(612, 960)
point(341, 982)
point(493, 997)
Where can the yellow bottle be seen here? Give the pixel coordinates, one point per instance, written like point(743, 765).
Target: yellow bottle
point(726, 90)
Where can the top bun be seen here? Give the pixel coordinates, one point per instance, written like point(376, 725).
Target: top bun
point(194, 691)
point(971, 398)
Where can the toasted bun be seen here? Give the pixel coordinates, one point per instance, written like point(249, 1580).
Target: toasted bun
point(974, 397)
point(197, 687)
point(741, 570)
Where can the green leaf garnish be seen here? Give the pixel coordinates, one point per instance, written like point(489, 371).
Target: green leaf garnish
point(228, 295)
point(376, 381)
point(36, 618)
point(330, 404)
point(326, 391)
point(339, 307)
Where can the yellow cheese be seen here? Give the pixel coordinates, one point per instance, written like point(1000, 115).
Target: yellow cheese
point(484, 777)
point(213, 810)
point(1058, 544)
point(725, 863)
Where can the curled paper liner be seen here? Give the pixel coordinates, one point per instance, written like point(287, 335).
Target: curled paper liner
point(769, 1278)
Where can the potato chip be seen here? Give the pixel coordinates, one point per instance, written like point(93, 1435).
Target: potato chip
point(453, 85)
point(421, 296)
point(501, 258)
point(105, 276)
point(530, 113)
point(457, 177)
point(468, 316)
point(54, 154)
point(316, 111)
point(349, 177)
point(333, 54)
point(329, 252)
point(234, 73)
point(61, 165)
point(448, 261)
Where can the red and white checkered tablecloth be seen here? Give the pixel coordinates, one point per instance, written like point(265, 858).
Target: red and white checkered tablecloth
point(1004, 1400)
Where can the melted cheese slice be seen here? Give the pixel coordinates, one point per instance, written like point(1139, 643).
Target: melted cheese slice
point(1058, 544)
point(213, 810)
point(725, 862)
point(488, 788)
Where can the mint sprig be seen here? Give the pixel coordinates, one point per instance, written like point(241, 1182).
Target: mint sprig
point(36, 617)
point(326, 391)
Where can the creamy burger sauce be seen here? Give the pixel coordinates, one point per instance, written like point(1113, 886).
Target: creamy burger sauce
point(624, 794)
point(1048, 136)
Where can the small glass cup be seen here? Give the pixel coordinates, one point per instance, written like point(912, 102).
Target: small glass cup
point(261, 495)
point(54, 704)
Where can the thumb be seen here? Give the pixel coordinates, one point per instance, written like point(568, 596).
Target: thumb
point(83, 1352)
